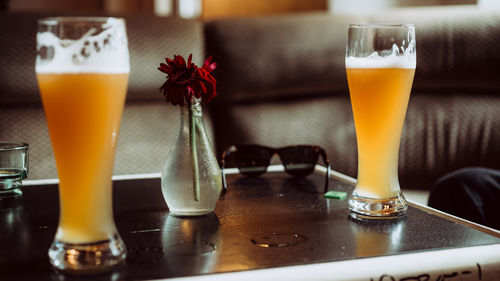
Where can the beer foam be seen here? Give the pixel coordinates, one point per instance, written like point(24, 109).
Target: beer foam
point(381, 62)
point(106, 52)
point(404, 58)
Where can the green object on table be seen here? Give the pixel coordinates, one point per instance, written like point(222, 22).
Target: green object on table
point(340, 195)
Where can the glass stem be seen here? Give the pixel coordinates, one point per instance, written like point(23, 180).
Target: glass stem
point(194, 155)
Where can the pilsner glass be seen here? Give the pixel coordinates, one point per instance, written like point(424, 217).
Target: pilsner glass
point(82, 69)
point(380, 65)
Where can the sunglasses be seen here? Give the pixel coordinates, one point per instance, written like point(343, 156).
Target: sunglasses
point(253, 160)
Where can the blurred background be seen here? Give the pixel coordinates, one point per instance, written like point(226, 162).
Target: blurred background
point(295, 68)
point(212, 9)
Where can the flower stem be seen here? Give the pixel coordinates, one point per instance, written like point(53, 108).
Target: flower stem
point(192, 139)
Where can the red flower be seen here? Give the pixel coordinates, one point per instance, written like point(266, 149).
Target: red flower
point(185, 81)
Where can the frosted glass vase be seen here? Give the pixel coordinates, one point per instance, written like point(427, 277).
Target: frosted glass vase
point(191, 178)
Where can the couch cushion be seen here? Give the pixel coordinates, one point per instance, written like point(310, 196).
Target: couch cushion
point(17, 70)
point(279, 56)
point(448, 130)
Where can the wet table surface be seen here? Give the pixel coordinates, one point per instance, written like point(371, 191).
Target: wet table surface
point(271, 221)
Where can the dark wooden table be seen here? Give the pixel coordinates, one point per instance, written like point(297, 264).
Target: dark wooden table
point(274, 222)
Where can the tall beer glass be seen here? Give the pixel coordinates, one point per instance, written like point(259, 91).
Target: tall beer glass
point(380, 65)
point(82, 68)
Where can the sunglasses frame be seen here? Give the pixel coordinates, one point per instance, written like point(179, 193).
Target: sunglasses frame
point(233, 148)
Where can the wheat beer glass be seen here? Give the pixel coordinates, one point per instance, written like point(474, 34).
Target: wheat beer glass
point(82, 69)
point(380, 65)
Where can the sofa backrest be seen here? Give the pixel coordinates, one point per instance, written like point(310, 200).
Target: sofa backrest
point(282, 81)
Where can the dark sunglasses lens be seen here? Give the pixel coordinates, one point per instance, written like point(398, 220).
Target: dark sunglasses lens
point(299, 161)
point(252, 160)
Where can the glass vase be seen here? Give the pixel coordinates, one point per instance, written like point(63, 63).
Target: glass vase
point(191, 179)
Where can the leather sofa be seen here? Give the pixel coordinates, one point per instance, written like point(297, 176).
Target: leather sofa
point(281, 81)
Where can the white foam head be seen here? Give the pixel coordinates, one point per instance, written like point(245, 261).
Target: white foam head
point(106, 52)
point(380, 62)
point(397, 59)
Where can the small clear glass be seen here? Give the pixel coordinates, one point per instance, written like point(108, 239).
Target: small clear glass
point(380, 66)
point(13, 169)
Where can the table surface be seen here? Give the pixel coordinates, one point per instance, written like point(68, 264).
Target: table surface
point(266, 222)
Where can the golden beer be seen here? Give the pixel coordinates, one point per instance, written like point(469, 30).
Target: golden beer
point(83, 112)
point(379, 98)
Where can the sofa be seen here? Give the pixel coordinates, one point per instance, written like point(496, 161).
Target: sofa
point(281, 81)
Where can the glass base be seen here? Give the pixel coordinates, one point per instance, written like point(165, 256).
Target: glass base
point(190, 213)
point(9, 193)
point(87, 258)
point(377, 208)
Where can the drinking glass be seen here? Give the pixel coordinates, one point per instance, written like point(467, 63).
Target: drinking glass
point(13, 169)
point(82, 69)
point(380, 65)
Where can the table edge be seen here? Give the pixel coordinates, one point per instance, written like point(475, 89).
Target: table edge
point(433, 263)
